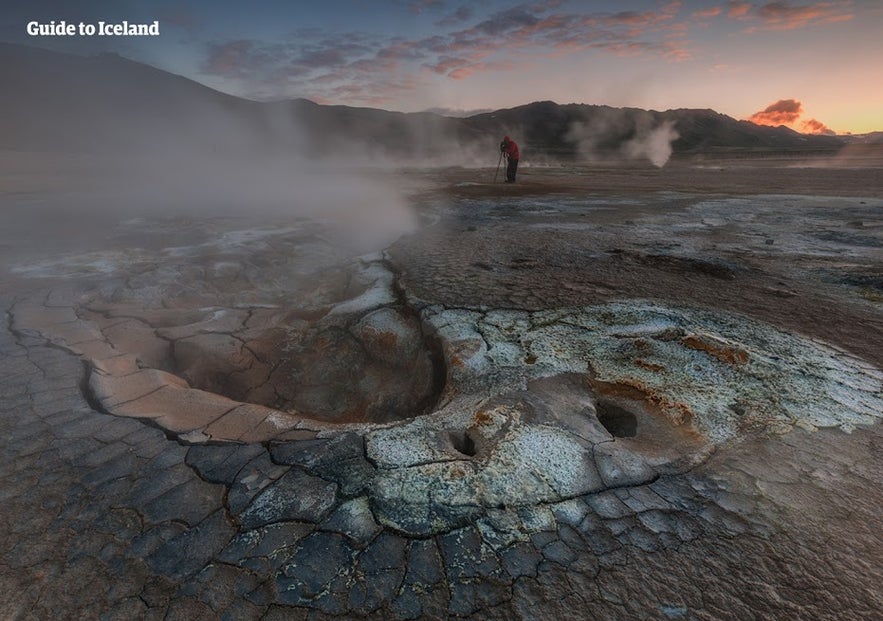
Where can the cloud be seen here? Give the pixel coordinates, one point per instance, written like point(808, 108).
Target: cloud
point(787, 112)
point(783, 15)
point(179, 16)
point(812, 126)
point(736, 9)
point(708, 13)
point(783, 112)
point(418, 6)
point(233, 58)
point(463, 14)
point(325, 64)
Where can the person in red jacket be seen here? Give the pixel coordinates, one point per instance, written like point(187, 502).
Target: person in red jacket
point(510, 150)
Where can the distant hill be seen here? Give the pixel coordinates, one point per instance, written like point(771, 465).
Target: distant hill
point(106, 103)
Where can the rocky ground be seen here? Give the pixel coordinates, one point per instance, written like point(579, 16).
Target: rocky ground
point(610, 393)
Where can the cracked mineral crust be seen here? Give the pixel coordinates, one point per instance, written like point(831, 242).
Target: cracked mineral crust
point(505, 414)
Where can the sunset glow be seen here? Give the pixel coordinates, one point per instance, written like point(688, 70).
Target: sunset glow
point(732, 56)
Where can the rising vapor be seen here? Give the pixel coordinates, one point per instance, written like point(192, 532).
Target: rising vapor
point(622, 133)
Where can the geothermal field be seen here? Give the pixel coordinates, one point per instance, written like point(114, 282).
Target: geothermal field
point(286, 361)
point(607, 391)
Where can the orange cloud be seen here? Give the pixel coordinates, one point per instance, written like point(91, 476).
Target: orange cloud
point(787, 112)
point(784, 16)
point(738, 9)
point(783, 112)
point(706, 13)
point(813, 126)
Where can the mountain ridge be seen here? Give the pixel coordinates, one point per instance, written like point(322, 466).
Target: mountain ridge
point(107, 102)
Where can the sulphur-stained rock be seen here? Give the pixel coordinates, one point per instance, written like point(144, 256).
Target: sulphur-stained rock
point(425, 483)
point(332, 376)
point(762, 377)
point(390, 336)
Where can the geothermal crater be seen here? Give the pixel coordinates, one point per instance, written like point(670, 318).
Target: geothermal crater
point(499, 405)
point(379, 367)
point(467, 416)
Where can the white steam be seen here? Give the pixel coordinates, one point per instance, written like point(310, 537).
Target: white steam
point(612, 133)
point(653, 144)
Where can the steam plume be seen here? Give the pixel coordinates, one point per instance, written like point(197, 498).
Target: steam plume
point(616, 133)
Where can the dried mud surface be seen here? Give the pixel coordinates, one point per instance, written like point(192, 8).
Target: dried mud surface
point(602, 392)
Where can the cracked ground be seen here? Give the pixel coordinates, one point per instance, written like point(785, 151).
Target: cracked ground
point(546, 401)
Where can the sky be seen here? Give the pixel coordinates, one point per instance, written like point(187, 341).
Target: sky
point(813, 66)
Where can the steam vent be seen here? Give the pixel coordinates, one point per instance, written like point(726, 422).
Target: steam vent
point(531, 406)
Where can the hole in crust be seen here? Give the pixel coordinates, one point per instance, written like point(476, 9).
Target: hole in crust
point(619, 422)
point(462, 443)
point(379, 368)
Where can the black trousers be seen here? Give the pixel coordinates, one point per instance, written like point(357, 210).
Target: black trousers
point(511, 169)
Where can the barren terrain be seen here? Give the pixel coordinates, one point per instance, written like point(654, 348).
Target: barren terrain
point(605, 391)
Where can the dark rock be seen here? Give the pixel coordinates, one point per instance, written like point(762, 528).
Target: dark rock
point(190, 502)
point(340, 459)
point(251, 479)
point(571, 538)
point(467, 598)
point(467, 556)
point(407, 605)
point(221, 464)
point(187, 553)
point(355, 520)
point(154, 484)
point(122, 523)
point(155, 537)
point(219, 586)
point(318, 559)
point(641, 538)
point(520, 559)
point(375, 590)
point(543, 538)
point(608, 506)
point(560, 553)
point(121, 466)
point(311, 454)
point(425, 566)
point(275, 543)
point(296, 496)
